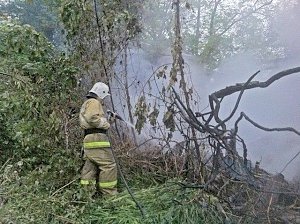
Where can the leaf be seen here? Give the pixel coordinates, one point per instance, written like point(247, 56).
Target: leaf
point(153, 116)
point(169, 120)
point(141, 111)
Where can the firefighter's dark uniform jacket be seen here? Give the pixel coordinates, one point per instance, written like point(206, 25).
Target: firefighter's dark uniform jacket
point(97, 152)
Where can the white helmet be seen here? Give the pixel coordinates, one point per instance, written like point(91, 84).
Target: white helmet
point(100, 89)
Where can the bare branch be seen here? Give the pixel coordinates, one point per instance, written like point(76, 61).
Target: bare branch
point(255, 84)
point(242, 17)
point(289, 162)
point(265, 128)
point(238, 101)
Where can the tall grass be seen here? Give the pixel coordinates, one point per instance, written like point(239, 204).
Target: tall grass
point(29, 199)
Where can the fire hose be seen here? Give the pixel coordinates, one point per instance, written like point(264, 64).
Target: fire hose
point(117, 116)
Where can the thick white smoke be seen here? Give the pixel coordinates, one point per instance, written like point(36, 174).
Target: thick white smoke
point(275, 106)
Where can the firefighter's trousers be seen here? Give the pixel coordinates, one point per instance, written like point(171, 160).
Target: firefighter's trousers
point(100, 166)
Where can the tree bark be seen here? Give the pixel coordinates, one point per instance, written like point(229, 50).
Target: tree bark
point(178, 57)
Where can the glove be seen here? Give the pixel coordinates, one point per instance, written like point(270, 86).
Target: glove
point(111, 116)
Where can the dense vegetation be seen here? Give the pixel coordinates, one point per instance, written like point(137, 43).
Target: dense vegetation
point(51, 52)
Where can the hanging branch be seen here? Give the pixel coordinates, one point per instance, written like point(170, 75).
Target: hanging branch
point(178, 66)
point(243, 115)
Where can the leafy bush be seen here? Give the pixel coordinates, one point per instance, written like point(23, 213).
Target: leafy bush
point(37, 85)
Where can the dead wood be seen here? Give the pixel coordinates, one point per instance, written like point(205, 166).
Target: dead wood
point(229, 172)
point(255, 84)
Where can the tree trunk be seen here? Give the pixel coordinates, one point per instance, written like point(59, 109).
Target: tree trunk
point(197, 35)
point(178, 59)
point(128, 101)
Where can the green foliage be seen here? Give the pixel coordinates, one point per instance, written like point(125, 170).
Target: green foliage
point(212, 30)
point(99, 41)
point(38, 198)
point(76, 15)
point(210, 54)
point(35, 87)
point(157, 28)
point(30, 199)
point(42, 15)
point(21, 45)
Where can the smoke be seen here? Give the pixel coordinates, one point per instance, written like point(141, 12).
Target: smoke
point(288, 29)
point(275, 106)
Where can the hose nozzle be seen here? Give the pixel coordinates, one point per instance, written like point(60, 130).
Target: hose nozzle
point(115, 115)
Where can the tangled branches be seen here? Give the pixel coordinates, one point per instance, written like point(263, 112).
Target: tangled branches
point(223, 141)
point(220, 138)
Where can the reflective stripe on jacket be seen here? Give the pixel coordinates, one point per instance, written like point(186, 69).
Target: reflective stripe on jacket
point(93, 145)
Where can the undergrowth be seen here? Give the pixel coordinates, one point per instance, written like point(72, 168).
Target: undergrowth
point(50, 194)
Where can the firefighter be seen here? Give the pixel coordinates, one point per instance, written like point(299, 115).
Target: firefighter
point(99, 171)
